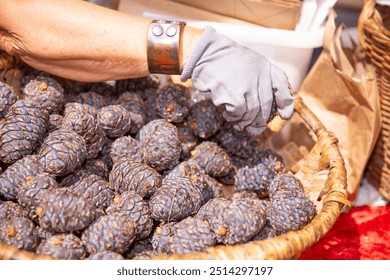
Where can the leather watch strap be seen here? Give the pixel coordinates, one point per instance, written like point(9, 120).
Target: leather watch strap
point(164, 46)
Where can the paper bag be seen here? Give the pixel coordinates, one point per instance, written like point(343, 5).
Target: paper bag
point(342, 91)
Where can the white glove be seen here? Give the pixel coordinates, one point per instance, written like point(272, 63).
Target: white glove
point(239, 78)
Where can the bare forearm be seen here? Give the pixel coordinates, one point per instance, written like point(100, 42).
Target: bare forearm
point(78, 40)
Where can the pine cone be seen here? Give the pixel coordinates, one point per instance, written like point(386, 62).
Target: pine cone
point(114, 120)
point(10, 209)
point(254, 179)
point(181, 194)
point(19, 232)
point(173, 103)
point(22, 130)
point(62, 152)
point(90, 98)
point(86, 126)
point(136, 208)
point(94, 189)
point(66, 246)
point(126, 148)
point(212, 158)
point(47, 92)
point(191, 235)
point(128, 175)
point(290, 208)
point(7, 98)
point(161, 144)
point(63, 211)
point(205, 119)
point(114, 232)
point(16, 175)
point(233, 221)
point(33, 189)
point(135, 105)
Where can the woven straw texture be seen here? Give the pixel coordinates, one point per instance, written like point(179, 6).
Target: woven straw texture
point(374, 36)
point(323, 167)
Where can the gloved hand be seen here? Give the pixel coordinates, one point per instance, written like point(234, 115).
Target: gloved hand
point(239, 78)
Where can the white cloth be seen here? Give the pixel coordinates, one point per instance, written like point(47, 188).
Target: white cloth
point(368, 195)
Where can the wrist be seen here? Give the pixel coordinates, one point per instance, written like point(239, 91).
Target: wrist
point(190, 38)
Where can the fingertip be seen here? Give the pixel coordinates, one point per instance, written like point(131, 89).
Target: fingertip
point(287, 111)
point(255, 131)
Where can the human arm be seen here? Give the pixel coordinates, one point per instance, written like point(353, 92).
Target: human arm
point(78, 40)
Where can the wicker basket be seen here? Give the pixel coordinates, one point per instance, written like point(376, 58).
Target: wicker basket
point(374, 36)
point(323, 168)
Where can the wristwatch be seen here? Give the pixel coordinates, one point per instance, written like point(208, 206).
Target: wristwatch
point(164, 46)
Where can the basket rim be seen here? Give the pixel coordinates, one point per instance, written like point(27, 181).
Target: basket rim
point(370, 21)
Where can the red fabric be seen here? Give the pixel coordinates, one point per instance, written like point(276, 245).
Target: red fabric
point(361, 234)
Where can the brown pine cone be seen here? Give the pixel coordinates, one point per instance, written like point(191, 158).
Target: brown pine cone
point(135, 105)
point(10, 209)
point(63, 211)
point(90, 98)
point(19, 232)
point(136, 208)
point(86, 126)
point(66, 246)
point(205, 119)
point(181, 194)
point(114, 120)
point(233, 221)
point(254, 179)
point(22, 130)
point(114, 232)
point(126, 148)
point(191, 235)
point(16, 175)
point(47, 92)
point(94, 189)
point(128, 175)
point(62, 152)
point(290, 208)
point(34, 188)
point(212, 158)
point(173, 103)
point(7, 98)
point(161, 144)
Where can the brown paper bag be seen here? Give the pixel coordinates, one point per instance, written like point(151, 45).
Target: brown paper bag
point(342, 91)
